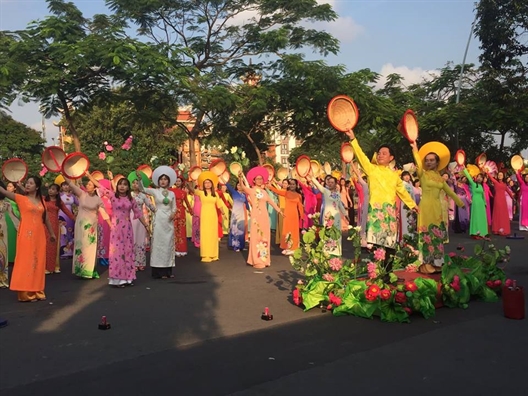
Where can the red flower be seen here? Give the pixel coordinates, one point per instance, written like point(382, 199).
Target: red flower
point(372, 292)
point(498, 282)
point(334, 300)
point(400, 297)
point(455, 286)
point(297, 298)
point(329, 307)
point(489, 284)
point(411, 286)
point(508, 283)
point(408, 310)
point(385, 294)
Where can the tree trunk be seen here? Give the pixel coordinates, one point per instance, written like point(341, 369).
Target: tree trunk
point(192, 150)
point(255, 147)
point(503, 136)
point(69, 119)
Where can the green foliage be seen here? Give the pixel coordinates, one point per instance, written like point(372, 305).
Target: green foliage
point(18, 140)
point(114, 124)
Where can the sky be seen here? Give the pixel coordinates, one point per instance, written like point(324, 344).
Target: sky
point(409, 37)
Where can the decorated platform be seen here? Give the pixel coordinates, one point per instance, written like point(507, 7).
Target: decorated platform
point(359, 286)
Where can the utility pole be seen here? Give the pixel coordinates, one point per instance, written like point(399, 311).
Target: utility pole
point(462, 73)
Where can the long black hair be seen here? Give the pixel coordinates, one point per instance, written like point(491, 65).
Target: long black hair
point(2, 184)
point(129, 192)
point(58, 201)
point(38, 193)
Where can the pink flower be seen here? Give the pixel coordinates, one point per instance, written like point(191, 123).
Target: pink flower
point(427, 239)
point(336, 264)
point(508, 283)
point(489, 284)
point(327, 277)
point(456, 279)
point(371, 269)
point(431, 248)
point(43, 171)
point(128, 143)
point(411, 268)
point(109, 148)
point(452, 254)
point(455, 286)
point(379, 254)
point(408, 310)
point(498, 282)
point(329, 223)
point(102, 155)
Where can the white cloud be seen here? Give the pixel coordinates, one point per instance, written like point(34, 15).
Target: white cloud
point(410, 76)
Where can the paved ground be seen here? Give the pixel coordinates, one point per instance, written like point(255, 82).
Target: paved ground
point(201, 334)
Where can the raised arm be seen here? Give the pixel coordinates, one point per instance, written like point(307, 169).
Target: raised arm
point(360, 155)
point(74, 187)
point(469, 179)
point(282, 193)
point(417, 160)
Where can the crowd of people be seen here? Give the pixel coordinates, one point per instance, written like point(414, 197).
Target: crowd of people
point(117, 221)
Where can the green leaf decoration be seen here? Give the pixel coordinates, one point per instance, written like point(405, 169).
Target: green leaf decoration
point(314, 293)
point(308, 237)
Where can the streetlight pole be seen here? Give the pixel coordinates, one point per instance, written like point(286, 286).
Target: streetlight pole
point(462, 72)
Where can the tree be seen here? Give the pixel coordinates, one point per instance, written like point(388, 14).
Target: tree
point(217, 42)
point(18, 140)
point(67, 61)
point(153, 143)
point(502, 27)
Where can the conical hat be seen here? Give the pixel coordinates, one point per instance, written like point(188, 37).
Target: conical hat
point(59, 180)
point(146, 169)
point(327, 168)
point(347, 153)
point(409, 126)
point(282, 173)
point(75, 165)
point(97, 175)
point(218, 167)
point(52, 158)
point(342, 113)
point(224, 177)
point(164, 170)
point(255, 172)
point(410, 167)
point(207, 175)
point(118, 177)
point(315, 168)
point(473, 170)
point(303, 165)
point(481, 160)
point(14, 170)
point(132, 176)
point(517, 162)
point(194, 172)
point(460, 157)
point(271, 170)
point(439, 149)
point(235, 168)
